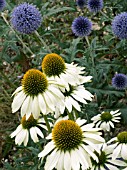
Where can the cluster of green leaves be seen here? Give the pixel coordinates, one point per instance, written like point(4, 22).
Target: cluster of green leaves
point(105, 56)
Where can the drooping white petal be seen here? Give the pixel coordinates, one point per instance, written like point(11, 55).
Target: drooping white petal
point(116, 151)
point(19, 128)
point(29, 108)
point(60, 163)
point(67, 161)
point(117, 162)
point(17, 101)
point(56, 91)
point(74, 103)
point(49, 147)
point(112, 167)
point(74, 160)
point(17, 90)
point(80, 122)
point(124, 151)
point(94, 136)
point(38, 131)
point(79, 98)
point(42, 103)
point(68, 104)
point(35, 108)
point(33, 134)
point(26, 138)
point(25, 106)
point(20, 137)
point(52, 160)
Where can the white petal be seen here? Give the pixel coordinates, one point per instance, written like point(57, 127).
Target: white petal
point(94, 136)
point(56, 91)
point(33, 134)
point(80, 122)
point(60, 164)
point(78, 98)
point(50, 100)
point(17, 101)
point(29, 108)
point(19, 128)
point(117, 162)
point(67, 161)
point(35, 108)
point(68, 104)
point(42, 104)
point(38, 131)
point(25, 106)
point(124, 151)
point(74, 160)
point(74, 104)
point(112, 167)
point(49, 147)
point(52, 160)
point(17, 90)
point(26, 138)
point(20, 137)
point(116, 151)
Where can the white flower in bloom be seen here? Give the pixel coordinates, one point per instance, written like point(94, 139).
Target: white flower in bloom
point(105, 160)
point(73, 98)
point(106, 120)
point(71, 145)
point(36, 95)
point(21, 134)
point(56, 69)
point(120, 145)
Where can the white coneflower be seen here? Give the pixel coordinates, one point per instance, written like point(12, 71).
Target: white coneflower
point(31, 126)
point(56, 69)
point(120, 145)
point(106, 120)
point(73, 99)
point(72, 144)
point(105, 160)
point(37, 94)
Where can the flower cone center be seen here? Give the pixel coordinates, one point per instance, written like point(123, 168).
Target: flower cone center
point(34, 82)
point(53, 65)
point(122, 137)
point(106, 116)
point(67, 135)
point(27, 124)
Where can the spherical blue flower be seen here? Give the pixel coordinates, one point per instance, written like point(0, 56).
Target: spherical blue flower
point(119, 81)
point(81, 26)
point(26, 18)
point(119, 25)
point(2, 4)
point(81, 3)
point(95, 5)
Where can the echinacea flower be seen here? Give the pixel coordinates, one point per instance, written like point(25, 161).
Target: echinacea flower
point(26, 18)
point(37, 94)
point(95, 5)
point(72, 144)
point(120, 145)
point(81, 3)
point(81, 26)
point(106, 120)
point(105, 160)
point(56, 69)
point(119, 81)
point(119, 25)
point(2, 4)
point(31, 126)
point(73, 98)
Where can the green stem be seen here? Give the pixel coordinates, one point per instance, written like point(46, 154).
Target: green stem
point(43, 42)
point(105, 15)
point(70, 115)
point(47, 123)
point(87, 40)
point(4, 18)
point(7, 79)
point(76, 113)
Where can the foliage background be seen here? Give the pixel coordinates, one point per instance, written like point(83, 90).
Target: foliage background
point(105, 56)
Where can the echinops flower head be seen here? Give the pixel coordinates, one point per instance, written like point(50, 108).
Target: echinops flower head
point(2, 4)
point(81, 26)
point(119, 81)
point(95, 5)
point(119, 25)
point(71, 145)
point(26, 18)
point(81, 3)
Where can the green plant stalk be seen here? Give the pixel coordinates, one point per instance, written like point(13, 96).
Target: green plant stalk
point(87, 40)
point(2, 14)
point(76, 113)
point(70, 115)
point(6, 93)
point(47, 123)
point(7, 79)
point(43, 42)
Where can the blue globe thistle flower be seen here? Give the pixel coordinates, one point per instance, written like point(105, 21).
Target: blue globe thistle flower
point(26, 18)
point(81, 3)
point(95, 5)
point(2, 4)
point(81, 26)
point(119, 81)
point(119, 25)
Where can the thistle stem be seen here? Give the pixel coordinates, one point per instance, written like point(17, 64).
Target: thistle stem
point(47, 123)
point(87, 40)
point(4, 18)
point(43, 42)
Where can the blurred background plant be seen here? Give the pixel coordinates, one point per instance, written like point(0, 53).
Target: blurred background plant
point(101, 53)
